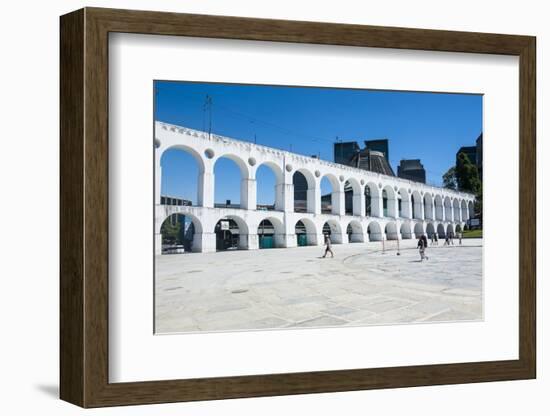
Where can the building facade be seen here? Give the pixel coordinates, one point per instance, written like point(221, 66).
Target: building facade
point(381, 206)
point(411, 169)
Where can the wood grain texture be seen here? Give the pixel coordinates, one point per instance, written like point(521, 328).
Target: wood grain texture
point(84, 207)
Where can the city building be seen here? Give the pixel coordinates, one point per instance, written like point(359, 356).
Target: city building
point(373, 157)
point(411, 169)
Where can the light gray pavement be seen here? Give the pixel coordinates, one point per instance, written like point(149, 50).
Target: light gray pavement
point(291, 288)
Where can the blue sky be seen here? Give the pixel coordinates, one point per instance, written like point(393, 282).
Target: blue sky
point(426, 126)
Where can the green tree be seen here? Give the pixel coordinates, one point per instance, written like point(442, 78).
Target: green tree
point(170, 233)
point(467, 177)
point(449, 178)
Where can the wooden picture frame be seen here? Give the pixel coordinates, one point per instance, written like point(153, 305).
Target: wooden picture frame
point(84, 207)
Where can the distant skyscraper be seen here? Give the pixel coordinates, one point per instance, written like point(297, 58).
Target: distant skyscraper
point(411, 169)
point(344, 151)
point(379, 145)
point(374, 157)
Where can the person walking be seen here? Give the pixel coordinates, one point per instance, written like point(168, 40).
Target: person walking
point(432, 238)
point(422, 241)
point(460, 238)
point(328, 246)
point(436, 242)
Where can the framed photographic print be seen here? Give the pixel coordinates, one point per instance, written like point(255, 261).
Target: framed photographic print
point(256, 207)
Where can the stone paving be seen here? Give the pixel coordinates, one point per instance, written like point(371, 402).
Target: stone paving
point(295, 288)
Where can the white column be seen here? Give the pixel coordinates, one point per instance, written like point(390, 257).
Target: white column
point(158, 179)
point(284, 197)
point(376, 206)
point(314, 200)
point(248, 241)
point(359, 204)
point(158, 244)
point(248, 193)
point(204, 243)
point(206, 189)
point(339, 203)
point(406, 208)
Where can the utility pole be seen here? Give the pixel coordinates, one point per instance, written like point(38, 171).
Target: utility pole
point(208, 109)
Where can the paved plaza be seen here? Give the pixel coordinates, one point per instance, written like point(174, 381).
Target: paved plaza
point(296, 288)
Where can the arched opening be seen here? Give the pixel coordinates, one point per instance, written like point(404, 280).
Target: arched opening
point(428, 207)
point(458, 228)
point(231, 234)
point(438, 208)
point(230, 174)
point(441, 230)
point(406, 233)
point(306, 233)
point(418, 229)
point(450, 230)
point(448, 208)
point(369, 212)
point(329, 194)
point(178, 232)
point(180, 171)
point(352, 197)
point(389, 202)
point(404, 204)
point(355, 233)
point(470, 210)
point(333, 230)
point(391, 231)
point(304, 191)
point(464, 208)
point(269, 193)
point(374, 232)
point(266, 234)
point(416, 202)
point(456, 210)
point(430, 230)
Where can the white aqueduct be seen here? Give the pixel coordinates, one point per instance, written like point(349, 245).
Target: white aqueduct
point(423, 209)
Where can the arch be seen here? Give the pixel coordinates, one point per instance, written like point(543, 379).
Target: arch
point(416, 202)
point(243, 167)
point(180, 172)
point(438, 202)
point(391, 231)
point(306, 232)
point(418, 229)
point(456, 209)
point(428, 206)
point(389, 202)
point(304, 191)
point(330, 201)
point(355, 233)
point(264, 200)
point(470, 209)
point(464, 209)
point(334, 230)
point(233, 235)
point(450, 230)
point(226, 191)
point(374, 231)
point(270, 232)
point(448, 208)
point(187, 149)
point(458, 228)
point(404, 204)
point(441, 230)
point(406, 231)
point(178, 231)
point(372, 200)
point(430, 230)
point(352, 197)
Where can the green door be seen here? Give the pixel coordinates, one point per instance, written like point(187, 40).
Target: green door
point(266, 241)
point(302, 240)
